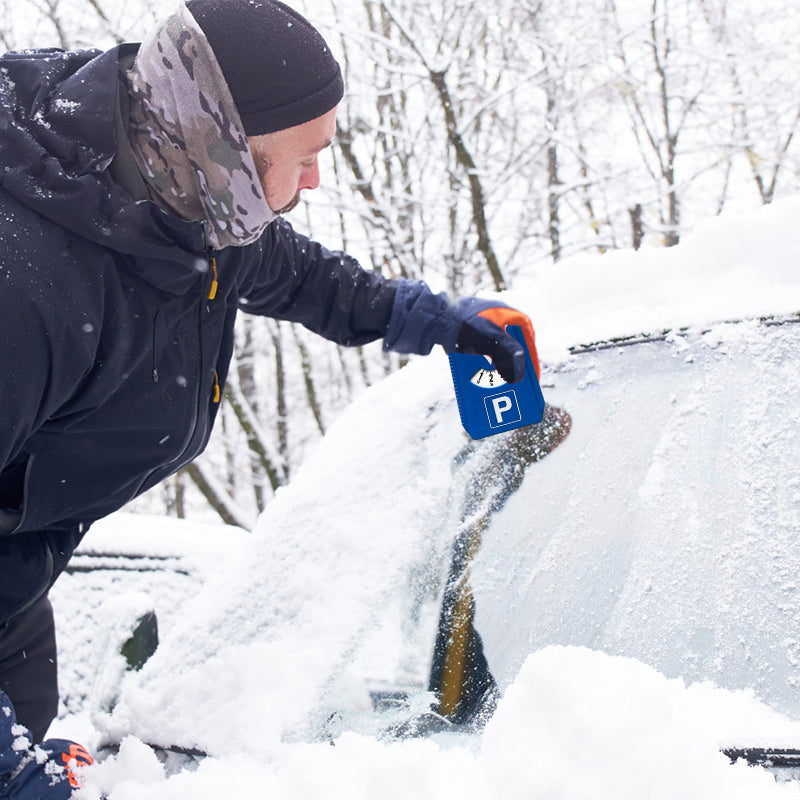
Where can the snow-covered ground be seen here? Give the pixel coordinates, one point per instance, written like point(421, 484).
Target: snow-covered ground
point(268, 668)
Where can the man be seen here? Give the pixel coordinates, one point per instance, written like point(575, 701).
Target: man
point(140, 208)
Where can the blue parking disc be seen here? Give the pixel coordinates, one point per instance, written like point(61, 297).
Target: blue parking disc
point(486, 403)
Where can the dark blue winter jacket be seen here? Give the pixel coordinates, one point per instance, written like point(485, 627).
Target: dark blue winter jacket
point(114, 346)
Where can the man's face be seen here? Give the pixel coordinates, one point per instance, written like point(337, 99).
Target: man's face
point(286, 160)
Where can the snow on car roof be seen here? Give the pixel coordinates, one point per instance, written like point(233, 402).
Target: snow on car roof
point(731, 267)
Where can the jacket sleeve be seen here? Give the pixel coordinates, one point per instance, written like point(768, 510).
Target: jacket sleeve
point(420, 319)
point(33, 772)
point(327, 291)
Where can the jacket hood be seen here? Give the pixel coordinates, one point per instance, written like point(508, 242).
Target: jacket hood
point(57, 140)
point(187, 136)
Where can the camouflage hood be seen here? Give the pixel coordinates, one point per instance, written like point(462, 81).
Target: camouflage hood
point(187, 137)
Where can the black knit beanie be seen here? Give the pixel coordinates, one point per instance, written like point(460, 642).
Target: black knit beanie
point(278, 68)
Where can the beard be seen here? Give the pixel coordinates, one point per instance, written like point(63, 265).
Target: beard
point(289, 206)
point(262, 165)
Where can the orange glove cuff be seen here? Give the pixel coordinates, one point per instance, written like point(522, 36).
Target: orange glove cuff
point(502, 316)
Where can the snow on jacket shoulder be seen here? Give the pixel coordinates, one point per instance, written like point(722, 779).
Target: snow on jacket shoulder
point(112, 348)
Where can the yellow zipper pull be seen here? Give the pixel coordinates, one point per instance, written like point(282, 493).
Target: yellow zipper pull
point(212, 292)
point(216, 385)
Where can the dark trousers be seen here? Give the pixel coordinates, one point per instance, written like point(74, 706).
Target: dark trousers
point(28, 669)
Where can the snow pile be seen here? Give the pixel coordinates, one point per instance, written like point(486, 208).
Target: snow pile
point(198, 546)
point(326, 565)
point(576, 725)
point(731, 267)
point(97, 604)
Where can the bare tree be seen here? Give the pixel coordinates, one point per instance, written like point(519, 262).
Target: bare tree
point(660, 92)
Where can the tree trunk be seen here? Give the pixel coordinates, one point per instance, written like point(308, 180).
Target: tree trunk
point(637, 226)
point(467, 163)
point(217, 497)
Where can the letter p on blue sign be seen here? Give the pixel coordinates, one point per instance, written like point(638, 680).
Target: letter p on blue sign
point(502, 409)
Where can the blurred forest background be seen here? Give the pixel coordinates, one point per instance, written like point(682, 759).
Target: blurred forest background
point(477, 141)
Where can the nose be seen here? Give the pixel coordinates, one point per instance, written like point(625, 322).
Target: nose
point(310, 177)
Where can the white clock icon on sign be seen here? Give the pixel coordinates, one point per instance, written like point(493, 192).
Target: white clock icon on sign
point(487, 379)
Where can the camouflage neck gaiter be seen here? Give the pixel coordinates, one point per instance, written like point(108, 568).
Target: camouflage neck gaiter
point(187, 138)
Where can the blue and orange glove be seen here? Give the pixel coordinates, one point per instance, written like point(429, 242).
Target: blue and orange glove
point(44, 771)
point(483, 332)
point(421, 319)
